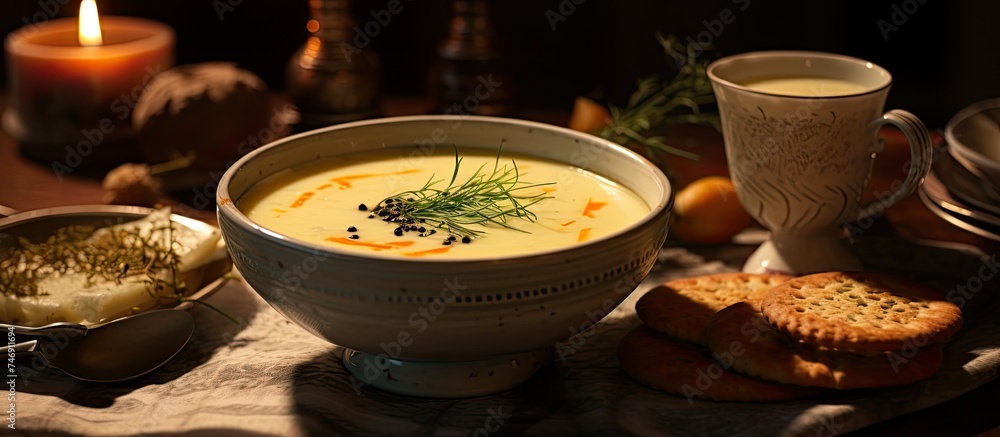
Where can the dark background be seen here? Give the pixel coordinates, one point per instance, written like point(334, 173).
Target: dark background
point(946, 55)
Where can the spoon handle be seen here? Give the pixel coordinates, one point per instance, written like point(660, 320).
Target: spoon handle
point(71, 329)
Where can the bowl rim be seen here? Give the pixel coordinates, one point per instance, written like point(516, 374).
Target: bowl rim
point(227, 206)
point(957, 146)
point(132, 212)
point(71, 210)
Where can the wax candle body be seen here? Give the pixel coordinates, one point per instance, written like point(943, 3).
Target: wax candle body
point(61, 93)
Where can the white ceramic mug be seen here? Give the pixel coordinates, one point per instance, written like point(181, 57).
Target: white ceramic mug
point(800, 131)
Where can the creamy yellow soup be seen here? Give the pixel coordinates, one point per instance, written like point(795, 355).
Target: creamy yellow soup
point(805, 86)
point(321, 204)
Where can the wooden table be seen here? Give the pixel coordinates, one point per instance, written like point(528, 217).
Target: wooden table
point(32, 184)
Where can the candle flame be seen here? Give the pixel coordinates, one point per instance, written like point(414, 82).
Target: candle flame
point(90, 24)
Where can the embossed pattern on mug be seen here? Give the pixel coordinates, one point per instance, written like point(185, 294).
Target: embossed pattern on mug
point(768, 150)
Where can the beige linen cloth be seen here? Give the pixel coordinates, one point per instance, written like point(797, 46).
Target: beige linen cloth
point(266, 376)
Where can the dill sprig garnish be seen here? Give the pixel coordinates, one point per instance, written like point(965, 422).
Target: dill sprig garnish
point(486, 197)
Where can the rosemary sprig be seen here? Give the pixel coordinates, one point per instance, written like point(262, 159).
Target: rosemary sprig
point(657, 103)
point(485, 197)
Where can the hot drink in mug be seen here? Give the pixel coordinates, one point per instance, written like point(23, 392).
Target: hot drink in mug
point(800, 131)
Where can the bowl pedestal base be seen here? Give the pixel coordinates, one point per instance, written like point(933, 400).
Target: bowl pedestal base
point(443, 379)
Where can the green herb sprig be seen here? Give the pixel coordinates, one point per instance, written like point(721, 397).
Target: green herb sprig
point(657, 103)
point(485, 197)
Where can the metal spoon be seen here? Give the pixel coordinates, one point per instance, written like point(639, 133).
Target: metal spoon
point(122, 349)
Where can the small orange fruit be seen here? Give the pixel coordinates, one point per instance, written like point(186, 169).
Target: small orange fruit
point(588, 116)
point(707, 211)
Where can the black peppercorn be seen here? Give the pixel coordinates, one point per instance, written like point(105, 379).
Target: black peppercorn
point(362, 207)
point(354, 236)
point(352, 229)
point(466, 239)
point(398, 231)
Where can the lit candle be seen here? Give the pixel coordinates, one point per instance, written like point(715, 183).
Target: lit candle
point(73, 83)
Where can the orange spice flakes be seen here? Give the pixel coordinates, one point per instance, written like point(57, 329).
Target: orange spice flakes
point(421, 253)
point(584, 235)
point(588, 211)
point(344, 182)
point(302, 199)
point(349, 242)
point(378, 247)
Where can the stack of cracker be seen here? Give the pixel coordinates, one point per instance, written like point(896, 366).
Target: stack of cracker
point(757, 338)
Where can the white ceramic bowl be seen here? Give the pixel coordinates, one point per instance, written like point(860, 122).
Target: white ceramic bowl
point(401, 310)
point(973, 136)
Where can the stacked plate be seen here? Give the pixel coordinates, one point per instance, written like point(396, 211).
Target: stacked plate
point(963, 186)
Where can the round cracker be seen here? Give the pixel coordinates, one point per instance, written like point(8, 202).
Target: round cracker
point(682, 308)
point(757, 349)
point(688, 370)
point(861, 311)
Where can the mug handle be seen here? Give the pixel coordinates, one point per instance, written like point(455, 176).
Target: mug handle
point(921, 157)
